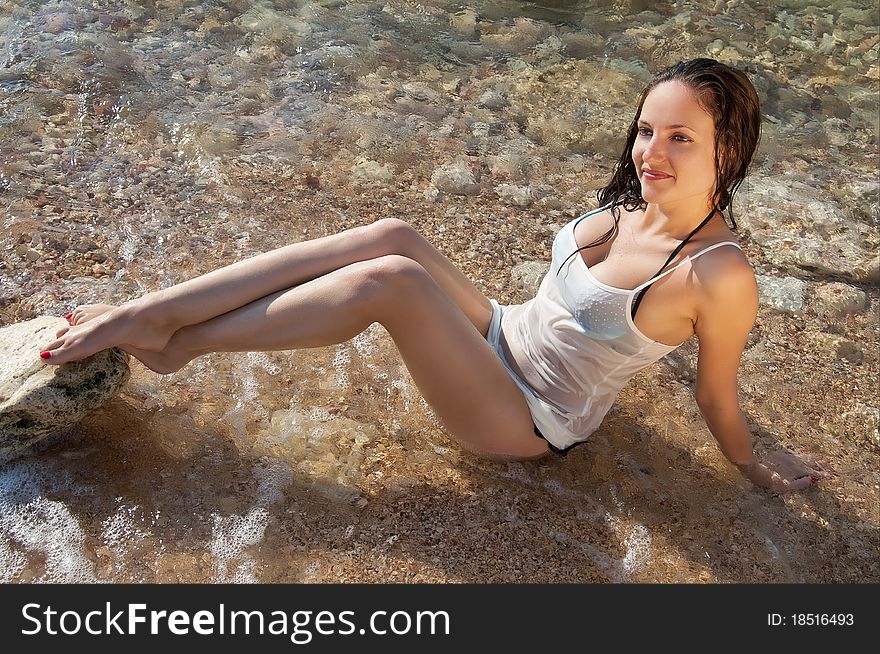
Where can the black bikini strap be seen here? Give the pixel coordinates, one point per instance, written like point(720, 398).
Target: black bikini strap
point(678, 248)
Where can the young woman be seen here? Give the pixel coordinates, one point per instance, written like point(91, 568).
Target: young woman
point(628, 284)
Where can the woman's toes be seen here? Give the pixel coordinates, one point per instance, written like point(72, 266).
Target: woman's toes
point(51, 348)
point(61, 332)
point(88, 312)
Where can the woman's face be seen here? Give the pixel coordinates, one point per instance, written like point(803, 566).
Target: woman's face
point(674, 150)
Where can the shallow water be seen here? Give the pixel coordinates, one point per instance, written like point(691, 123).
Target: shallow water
point(144, 143)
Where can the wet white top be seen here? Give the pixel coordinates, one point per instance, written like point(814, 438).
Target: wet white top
point(575, 344)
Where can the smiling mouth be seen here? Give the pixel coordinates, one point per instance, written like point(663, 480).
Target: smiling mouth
point(655, 175)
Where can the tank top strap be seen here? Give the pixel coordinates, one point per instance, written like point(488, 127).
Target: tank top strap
point(712, 247)
point(690, 257)
point(660, 275)
point(640, 291)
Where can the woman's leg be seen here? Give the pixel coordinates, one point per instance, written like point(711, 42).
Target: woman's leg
point(148, 322)
point(453, 366)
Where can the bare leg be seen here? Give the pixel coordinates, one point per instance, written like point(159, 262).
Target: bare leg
point(455, 369)
point(147, 323)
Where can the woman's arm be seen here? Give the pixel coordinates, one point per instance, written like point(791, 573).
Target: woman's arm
point(726, 313)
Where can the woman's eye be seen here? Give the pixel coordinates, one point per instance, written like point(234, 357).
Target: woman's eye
point(681, 138)
point(644, 131)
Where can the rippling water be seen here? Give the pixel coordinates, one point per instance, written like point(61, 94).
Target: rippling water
point(142, 143)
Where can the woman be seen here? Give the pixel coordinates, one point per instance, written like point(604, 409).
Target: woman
point(513, 382)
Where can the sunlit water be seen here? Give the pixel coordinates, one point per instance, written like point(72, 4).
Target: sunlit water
point(144, 143)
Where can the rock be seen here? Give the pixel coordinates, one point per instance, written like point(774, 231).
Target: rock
point(367, 170)
point(526, 277)
point(432, 194)
point(115, 23)
point(520, 196)
point(841, 347)
point(837, 300)
point(493, 100)
point(860, 424)
point(464, 22)
point(421, 92)
point(456, 179)
point(592, 91)
point(38, 399)
point(520, 37)
point(799, 229)
point(480, 128)
point(260, 19)
point(57, 22)
point(782, 293)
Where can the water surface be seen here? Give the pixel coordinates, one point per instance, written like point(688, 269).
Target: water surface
point(142, 143)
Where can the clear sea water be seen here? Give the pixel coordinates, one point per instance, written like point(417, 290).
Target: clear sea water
point(142, 143)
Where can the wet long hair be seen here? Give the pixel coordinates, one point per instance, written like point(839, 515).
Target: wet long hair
point(729, 97)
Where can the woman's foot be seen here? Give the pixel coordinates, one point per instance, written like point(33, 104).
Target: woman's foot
point(96, 327)
point(82, 314)
point(165, 362)
point(86, 312)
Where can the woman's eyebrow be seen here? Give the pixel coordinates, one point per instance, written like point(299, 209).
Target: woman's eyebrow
point(644, 122)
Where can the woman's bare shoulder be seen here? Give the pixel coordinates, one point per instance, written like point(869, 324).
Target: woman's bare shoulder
point(593, 225)
point(600, 215)
point(725, 272)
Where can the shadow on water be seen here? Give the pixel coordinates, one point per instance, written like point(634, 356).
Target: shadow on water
point(137, 495)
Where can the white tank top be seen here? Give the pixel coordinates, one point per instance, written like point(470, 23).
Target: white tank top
point(575, 344)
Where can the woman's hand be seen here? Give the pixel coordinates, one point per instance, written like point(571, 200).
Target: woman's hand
point(784, 471)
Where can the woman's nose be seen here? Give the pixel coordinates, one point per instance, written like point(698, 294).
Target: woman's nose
point(653, 151)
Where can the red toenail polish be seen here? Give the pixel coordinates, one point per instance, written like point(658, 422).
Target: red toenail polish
point(45, 355)
point(68, 316)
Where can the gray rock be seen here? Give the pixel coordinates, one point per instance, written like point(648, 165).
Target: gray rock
point(838, 300)
point(421, 92)
point(800, 229)
point(493, 100)
point(520, 196)
point(432, 194)
point(37, 399)
point(782, 293)
point(526, 277)
point(367, 170)
point(456, 179)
